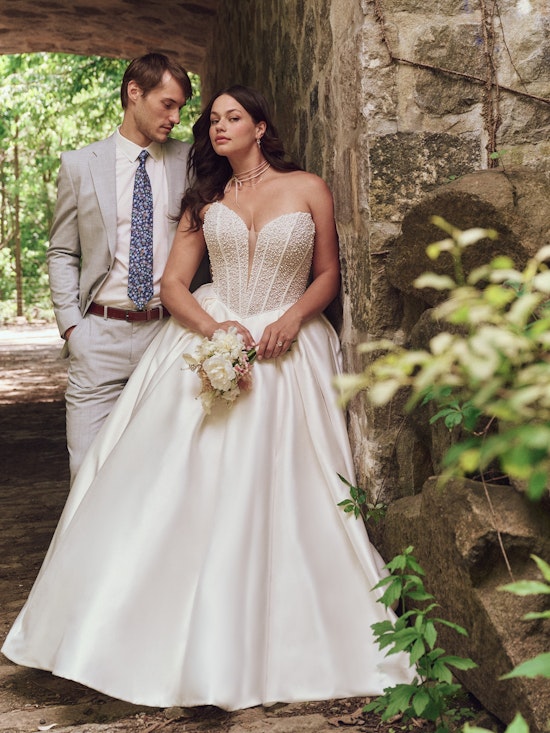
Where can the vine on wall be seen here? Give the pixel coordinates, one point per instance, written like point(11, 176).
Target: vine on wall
point(490, 12)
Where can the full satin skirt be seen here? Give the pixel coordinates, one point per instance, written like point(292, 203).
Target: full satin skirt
point(202, 559)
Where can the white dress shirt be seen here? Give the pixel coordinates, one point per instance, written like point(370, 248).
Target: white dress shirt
point(114, 291)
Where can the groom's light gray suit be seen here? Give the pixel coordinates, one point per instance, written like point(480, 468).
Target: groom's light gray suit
point(83, 235)
point(103, 352)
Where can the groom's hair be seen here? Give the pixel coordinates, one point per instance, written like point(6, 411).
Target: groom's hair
point(147, 71)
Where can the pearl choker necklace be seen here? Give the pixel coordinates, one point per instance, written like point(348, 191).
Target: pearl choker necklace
point(254, 174)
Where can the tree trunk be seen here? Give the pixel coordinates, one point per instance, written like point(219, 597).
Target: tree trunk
point(17, 227)
point(3, 226)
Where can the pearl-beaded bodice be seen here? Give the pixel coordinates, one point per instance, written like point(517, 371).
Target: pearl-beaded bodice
point(276, 276)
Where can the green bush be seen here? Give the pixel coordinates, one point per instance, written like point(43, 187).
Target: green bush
point(491, 366)
point(432, 695)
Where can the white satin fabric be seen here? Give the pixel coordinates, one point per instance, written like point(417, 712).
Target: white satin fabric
point(202, 559)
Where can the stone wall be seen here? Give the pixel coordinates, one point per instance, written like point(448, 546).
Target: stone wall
point(385, 132)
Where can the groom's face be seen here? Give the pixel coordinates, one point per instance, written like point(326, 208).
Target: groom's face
point(154, 115)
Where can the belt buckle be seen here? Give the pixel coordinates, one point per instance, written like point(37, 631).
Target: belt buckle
point(127, 316)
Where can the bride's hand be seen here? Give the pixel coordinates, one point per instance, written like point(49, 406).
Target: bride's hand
point(277, 338)
point(241, 330)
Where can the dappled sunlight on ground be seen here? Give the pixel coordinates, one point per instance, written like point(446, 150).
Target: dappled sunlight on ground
point(31, 368)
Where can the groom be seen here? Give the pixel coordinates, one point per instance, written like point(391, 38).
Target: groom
point(109, 243)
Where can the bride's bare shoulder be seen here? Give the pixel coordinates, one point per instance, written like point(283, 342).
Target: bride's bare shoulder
point(303, 179)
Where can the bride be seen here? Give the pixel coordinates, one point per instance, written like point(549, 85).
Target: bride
point(201, 558)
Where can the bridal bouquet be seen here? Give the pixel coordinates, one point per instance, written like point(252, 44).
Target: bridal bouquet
point(224, 366)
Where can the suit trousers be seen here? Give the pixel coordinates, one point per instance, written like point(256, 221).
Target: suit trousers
point(103, 353)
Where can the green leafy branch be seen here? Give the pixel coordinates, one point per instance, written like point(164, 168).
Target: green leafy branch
point(359, 505)
point(431, 693)
point(492, 364)
point(451, 411)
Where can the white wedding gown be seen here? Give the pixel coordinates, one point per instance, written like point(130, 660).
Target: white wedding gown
point(202, 559)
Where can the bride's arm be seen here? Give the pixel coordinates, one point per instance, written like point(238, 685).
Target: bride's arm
point(183, 262)
point(325, 271)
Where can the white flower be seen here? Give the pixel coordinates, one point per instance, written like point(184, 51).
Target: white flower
point(228, 342)
point(219, 369)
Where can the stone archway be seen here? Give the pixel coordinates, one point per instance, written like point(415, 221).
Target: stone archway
point(118, 28)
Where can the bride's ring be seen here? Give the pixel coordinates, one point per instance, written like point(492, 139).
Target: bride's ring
point(279, 344)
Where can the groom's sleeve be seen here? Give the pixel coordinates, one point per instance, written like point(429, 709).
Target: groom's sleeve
point(64, 252)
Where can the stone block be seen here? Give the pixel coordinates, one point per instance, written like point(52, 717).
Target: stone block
point(514, 202)
point(458, 48)
point(404, 167)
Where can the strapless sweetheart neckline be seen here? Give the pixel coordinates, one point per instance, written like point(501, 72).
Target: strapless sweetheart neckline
point(270, 223)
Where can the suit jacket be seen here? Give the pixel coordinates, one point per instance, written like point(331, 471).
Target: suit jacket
point(83, 235)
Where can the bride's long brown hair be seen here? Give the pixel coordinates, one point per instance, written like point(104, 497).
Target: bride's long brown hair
point(210, 172)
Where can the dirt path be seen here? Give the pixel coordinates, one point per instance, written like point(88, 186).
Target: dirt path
point(33, 489)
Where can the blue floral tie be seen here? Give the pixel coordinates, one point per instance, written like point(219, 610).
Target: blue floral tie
point(140, 267)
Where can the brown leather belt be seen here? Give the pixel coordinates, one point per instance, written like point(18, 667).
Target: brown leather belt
point(154, 314)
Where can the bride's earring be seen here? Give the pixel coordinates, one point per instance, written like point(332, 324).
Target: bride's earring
point(259, 141)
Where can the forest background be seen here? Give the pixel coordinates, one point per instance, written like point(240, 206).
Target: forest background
point(49, 103)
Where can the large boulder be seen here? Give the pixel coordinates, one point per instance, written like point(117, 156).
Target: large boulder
point(513, 202)
point(456, 534)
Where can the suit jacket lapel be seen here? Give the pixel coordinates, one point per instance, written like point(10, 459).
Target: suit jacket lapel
point(103, 172)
